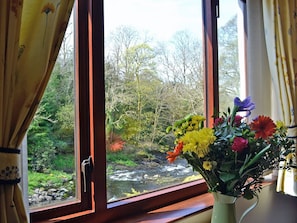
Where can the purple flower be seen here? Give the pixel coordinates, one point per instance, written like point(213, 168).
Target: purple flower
point(245, 105)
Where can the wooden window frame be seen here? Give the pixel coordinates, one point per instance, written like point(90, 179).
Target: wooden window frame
point(84, 199)
point(89, 59)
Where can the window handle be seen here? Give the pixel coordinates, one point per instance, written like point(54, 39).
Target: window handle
point(218, 9)
point(86, 167)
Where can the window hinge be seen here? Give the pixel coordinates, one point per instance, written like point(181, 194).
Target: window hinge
point(86, 168)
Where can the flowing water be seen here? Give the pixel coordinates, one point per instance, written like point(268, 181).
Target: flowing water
point(123, 182)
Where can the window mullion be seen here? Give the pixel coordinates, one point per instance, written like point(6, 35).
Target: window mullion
point(97, 102)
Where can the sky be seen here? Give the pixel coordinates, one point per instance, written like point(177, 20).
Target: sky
point(162, 18)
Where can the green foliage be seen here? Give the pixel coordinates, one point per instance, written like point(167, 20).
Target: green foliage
point(129, 163)
point(129, 127)
point(65, 115)
point(144, 154)
point(52, 129)
point(229, 74)
point(53, 179)
point(41, 152)
point(64, 162)
point(134, 193)
point(122, 158)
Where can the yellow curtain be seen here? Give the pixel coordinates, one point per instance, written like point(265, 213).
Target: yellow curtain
point(280, 22)
point(31, 32)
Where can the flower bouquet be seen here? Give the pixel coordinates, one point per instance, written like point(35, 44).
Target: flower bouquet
point(233, 155)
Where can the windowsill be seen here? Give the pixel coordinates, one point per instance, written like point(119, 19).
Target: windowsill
point(177, 212)
point(170, 213)
point(174, 212)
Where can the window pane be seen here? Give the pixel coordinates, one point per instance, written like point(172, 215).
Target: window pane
point(153, 76)
point(51, 156)
point(230, 49)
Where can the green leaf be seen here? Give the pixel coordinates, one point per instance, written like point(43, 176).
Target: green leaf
point(247, 171)
point(253, 160)
point(168, 129)
point(231, 185)
point(226, 166)
point(248, 194)
point(225, 176)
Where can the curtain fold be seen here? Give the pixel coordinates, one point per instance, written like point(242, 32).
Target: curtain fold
point(31, 33)
point(280, 22)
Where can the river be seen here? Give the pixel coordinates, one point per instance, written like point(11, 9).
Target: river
point(124, 182)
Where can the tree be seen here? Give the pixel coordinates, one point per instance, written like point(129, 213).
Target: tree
point(52, 129)
point(181, 67)
point(229, 75)
point(129, 74)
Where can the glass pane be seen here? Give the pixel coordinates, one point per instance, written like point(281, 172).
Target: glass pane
point(153, 76)
point(50, 139)
point(230, 48)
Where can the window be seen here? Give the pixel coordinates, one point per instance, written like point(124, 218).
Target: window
point(230, 53)
point(153, 76)
point(50, 139)
point(91, 69)
point(158, 198)
point(78, 88)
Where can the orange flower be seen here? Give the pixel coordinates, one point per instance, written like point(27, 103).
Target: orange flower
point(263, 126)
point(177, 150)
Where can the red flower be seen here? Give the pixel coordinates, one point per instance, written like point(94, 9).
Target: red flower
point(114, 143)
point(218, 121)
point(237, 120)
point(263, 126)
point(239, 144)
point(177, 150)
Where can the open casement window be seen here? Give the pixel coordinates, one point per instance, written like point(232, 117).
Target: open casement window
point(65, 192)
point(154, 75)
point(231, 52)
point(118, 88)
point(130, 65)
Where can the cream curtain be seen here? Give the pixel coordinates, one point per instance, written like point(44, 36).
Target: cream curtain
point(280, 22)
point(31, 32)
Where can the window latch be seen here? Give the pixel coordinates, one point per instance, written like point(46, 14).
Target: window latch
point(86, 167)
point(218, 9)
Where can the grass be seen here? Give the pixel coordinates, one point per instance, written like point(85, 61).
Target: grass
point(53, 179)
point(64, 162)
point(121, 158)
point(61, 175)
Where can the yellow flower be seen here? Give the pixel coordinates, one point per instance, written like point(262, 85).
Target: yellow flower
point(207, 165)
point(178, 132)
point(198, 141)
point(196, 122)
point(280, 125)
point(198, 118)
point(185, 125)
